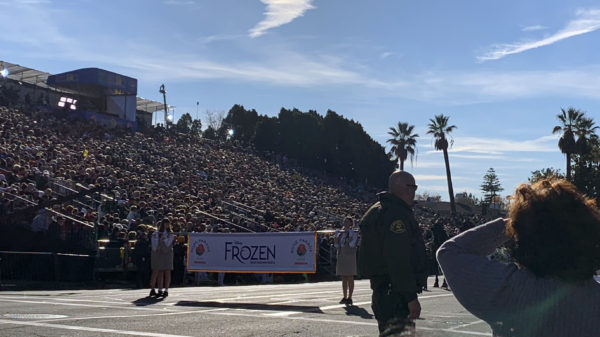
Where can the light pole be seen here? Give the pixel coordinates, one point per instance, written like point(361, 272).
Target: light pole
point(197, 107)
point(164, 92)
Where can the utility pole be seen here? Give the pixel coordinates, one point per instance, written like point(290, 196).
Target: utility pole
point(164, 92)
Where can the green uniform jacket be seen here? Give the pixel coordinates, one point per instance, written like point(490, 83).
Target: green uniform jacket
point(392, 245)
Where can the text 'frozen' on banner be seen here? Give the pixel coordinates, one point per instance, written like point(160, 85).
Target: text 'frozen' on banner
point(290, 252)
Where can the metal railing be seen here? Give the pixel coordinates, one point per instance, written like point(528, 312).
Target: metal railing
point(45, 267)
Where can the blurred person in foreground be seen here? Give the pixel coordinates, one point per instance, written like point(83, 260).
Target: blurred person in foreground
point(549, 290)
point(392, 255)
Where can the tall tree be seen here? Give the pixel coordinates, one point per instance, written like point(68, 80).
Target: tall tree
point(196, 128)
point(242, 122)
point(210, 133)
point(545, 173)
point(404, 142)
point(184, 123)
point(586, 171)
point(586, 134)
point(569, 120)
point(490, 186)
point(439, 128)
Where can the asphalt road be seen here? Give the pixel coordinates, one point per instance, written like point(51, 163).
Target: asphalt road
point(307, 309)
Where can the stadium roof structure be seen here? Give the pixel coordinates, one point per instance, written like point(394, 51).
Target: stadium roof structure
point(150, 106)
point(95, 81)
point(35, 77)
point(24, 74)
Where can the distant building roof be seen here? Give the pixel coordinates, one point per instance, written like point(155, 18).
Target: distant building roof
point(95, 80)
point(24, 74)
point(39, 78)
point(150, 106)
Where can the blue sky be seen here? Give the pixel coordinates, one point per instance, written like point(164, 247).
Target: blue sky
point(501, 70)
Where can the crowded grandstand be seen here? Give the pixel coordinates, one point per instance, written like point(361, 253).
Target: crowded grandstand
point(84, 171)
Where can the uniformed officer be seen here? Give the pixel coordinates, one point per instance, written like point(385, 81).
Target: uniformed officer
point(392, 254)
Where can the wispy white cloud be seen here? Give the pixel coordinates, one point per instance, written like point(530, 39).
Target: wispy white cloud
point(487, 157)
point(36, 31)
point(586, 21)
point(496, 148)
point(31, 23)
point(218, 37)
point(25, 2)
point(439, 189)
point(290, 70)
point(179, 2)
point(429, 177)
point(280, 12)
point(457, 88)
point(442, 190)
point(385, 55)
point(533, 28)
point(420, 164)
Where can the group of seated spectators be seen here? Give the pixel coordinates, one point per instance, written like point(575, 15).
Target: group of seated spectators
point(198, 185)
point(139, 179)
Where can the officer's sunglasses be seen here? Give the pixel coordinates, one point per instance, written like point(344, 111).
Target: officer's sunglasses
point(413, 186)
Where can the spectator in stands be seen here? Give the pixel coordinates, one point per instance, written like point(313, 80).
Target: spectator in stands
point(161, 259)
point(345, 244)
point(141, 259)
point(178, 261)
point(550, 290)
point(439, 237)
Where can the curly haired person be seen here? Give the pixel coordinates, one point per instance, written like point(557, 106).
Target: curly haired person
point(550, 290)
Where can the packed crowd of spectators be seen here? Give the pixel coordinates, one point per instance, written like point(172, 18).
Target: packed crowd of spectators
point(199, 185)
point(196, 184)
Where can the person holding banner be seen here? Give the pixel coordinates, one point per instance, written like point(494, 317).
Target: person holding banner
point(161, 259)
point(345, 243)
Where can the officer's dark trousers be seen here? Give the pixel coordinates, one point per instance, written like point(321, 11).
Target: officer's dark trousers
point(386, 304)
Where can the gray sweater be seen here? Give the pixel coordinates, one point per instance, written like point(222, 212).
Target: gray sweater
point(513, 301)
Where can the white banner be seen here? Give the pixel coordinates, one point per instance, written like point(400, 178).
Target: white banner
point(289, 252)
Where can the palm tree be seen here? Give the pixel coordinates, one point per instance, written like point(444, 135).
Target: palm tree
point(569, 119)
point(438, 127)
point(586, 134)
point(404, 142)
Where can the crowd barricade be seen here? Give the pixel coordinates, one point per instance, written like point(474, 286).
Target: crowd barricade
point(114, 257)
point(110, 257)
point(45, 267)
point(326, 253)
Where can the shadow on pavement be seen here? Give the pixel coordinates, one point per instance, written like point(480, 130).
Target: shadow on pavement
point(358, 311)
point(140, 302)
point(250, 306)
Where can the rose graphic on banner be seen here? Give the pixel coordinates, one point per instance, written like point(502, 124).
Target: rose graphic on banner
point(301, 249)
point(200, 249)
point(292, 252)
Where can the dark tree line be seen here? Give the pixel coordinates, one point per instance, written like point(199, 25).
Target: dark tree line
point(330, 144)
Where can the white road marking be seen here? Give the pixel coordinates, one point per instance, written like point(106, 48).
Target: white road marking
point(338, 306)
point(270, 296)
point(466, 324)
point(277, 294)
point(82, 305)
point(84, 328)
point(130, 316)
point(325, 320)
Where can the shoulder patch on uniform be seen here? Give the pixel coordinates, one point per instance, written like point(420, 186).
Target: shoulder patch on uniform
point(398, 227)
